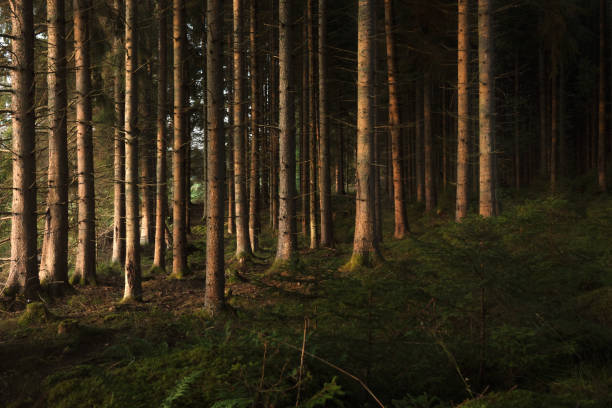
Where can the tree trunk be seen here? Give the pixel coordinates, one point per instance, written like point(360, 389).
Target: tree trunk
point(179, 237)
point(430, 199)
point(340, 164)
point(118, 256)
point(254, 221)
point(287, 242)
point(601, 140)
point(133, 286)
point(215, 269)
point(243, 245)
point(327, 237)
point(418, 143)
point(55, 268)
point(517, 150)
point(543, 111)
point(147, 149)
point(159, 255)
point(312, 143)
point(23, 272)
point(85, 264)
point(365, 247)
point(554, 120)
point(304, 138)
point(486, 107)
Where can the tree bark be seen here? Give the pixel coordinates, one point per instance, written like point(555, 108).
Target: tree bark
point(133, 286)
point(118, 256)
point(365, 246)
point(23, 272)
point(312, 143)
point(418, 144)
point(327, 236)
point(254, 205)
point(287, 242)
point(430, 198)
point(54, 271)
point(601, 139)
point(215, 269)
point(554, 130)
point(159, 253)
point(486, 107)
point(179, 237)
point(243, 245)
point(85, 266)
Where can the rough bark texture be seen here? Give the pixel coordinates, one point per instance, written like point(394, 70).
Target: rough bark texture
point(254, 221)
point(601, 140)
point(85, 266)
point(463, 104)
point(118, 256)
point(287, 242)
point(327, 235)
point(365, 244)
point(399, 207)
point(418, 144)
point(23, 272)
point(55, 256)
point(486, 107)
point(159, 253)
point(243, 245)
point(304, 138)
point(133, 287)
point(179, 237)
point(312, 143)
point(215, 270)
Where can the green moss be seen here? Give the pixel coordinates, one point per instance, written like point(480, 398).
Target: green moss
point(35, 313)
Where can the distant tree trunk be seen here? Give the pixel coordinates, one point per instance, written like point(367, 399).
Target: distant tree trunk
point(418, 144)
point(486, 107)
point(215, 268)
point(274, 119)
point(601, 140)
point(517, 151)
point(147, 149)
point(118, 256)
point(304, 136)
point(179, 237)
point(55, 268)
point(243, 245)
point(287, 242)
point(554, 120)
point(543, 111)
point(254, 219)
point(85, 265)
point(430, 199)
point(133, 286)
point(365, 246)
point(312, 143)
point(159, 256)
point(340, 163)
point(327, 237)
point(23, 272)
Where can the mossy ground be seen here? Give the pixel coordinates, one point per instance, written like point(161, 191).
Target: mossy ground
point(408, 327)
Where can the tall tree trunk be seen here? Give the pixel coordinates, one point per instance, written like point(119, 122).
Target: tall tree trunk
point(554, 120)
point(159, 253)
point(486, 107)
point(243, 245)
point(254, 221)
point(430, 198)
point(85, 266)
point(287, 242)
point(179, 237)
point(418, 144)
point(133, 286)
point(274, 118)
point(118, 256)
point(23, 272)
point(365, 246)
point(543, 112)
point(601, 140)
point(327, 237)
point(340, 164)
point(517, 150)
point(215, 268)
point(55, 268)
point(312, 143)
point(304, 137)
point(147, 149)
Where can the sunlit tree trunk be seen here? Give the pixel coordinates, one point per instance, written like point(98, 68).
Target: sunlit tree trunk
point(215, 269)
point(159, 255)
point(85, 264)
point(312, 122)
point(243, 245)
point(55, 258)
point(118, 256)
point(23, 272)
point(287, 242)
point(133, 287)
point(304, 137)
point(254, 205)
point(486, 107)
point(179, 237)
point(365, 247)
point(601, 140)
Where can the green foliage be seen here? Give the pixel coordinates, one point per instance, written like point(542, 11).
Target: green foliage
point(330, 393)
point(181, 389)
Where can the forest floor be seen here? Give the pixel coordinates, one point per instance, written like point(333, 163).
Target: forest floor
point(508, 312)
